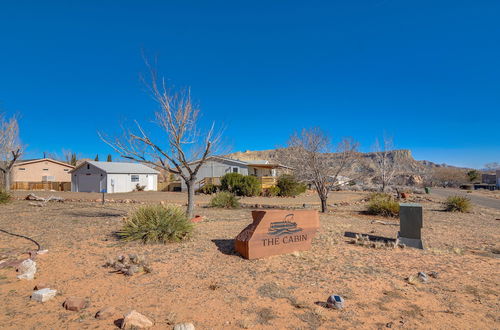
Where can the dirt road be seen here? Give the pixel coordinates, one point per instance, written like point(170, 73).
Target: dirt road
point(479, 200)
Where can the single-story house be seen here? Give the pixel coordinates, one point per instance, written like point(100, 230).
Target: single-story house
point(43, 173)
point(113, 177)
point(217, 166)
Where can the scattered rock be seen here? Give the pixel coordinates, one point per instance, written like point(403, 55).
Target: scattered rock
point(335, 301)
point(434, 274)
point(135, 320)
point(105, 313)
point(45, 251)
point(184, 326)
point(423, 277)
point(43, 295)
point(197, 218)
point(74, 304)
point(27, 268)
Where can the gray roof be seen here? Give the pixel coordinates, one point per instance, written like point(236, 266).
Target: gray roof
point(124, 168)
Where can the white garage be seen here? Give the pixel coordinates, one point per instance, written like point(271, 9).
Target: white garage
point(113, 177)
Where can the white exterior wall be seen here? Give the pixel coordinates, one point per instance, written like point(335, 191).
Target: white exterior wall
point(498, 179)
point(93, 179)
point(118, 183)
point(216, 168)
point(89, 179)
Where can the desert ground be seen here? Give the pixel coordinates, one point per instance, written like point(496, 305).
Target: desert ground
point(205, 282)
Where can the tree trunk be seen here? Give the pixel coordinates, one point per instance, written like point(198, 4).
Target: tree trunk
point(190, 206)
point(324, 206)
point(7, 180)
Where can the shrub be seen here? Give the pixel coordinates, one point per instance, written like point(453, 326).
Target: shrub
point(458, 204)
point(157, 224)
point(209, 189)
point(271, 191)
point(289, 186)
point(5, 197)
point(383, 204)
point(225, 199)
point(240, 185)
point(138, 187)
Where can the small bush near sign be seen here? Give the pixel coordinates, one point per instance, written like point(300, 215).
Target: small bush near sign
point(240, 185)
point(458, 204)
point(289, 186)
point(157, 224)
point(383, 204)
point(225, 199)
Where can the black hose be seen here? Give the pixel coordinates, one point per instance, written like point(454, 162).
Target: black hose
point(25, 237)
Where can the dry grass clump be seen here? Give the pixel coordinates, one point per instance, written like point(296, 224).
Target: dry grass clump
point(383, 204)
point(5, 197)
point(225, 199)
point(157, 224)
point(458, 204)
point(364, 240)
point(129, 265)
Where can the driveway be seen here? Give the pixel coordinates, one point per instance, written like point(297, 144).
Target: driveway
point(478, 200)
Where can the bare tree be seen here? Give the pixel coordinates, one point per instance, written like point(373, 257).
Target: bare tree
point(307, 153)
point(10, 147)
point(492, 166)
point(387, 166)
point(184, 148)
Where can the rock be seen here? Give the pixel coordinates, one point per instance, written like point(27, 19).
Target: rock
point(423, 277)
point(184, 326)
point(45, 251)
point(335, 301)
point(131, 270)
point(43, 295)
point(105, 313)
point(434, 274)
point(27, 269)
point(40, 286)
point(135, 320)
point(74, 304)
point(197, 218)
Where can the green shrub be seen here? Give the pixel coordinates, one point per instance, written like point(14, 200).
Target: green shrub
point(289, 186)
point(209, 189)
point(458, 204)
point(383, 204)
point(271, 191)
point(225, 199)
point(240, 185)
point(157, 224)
point(5, 197)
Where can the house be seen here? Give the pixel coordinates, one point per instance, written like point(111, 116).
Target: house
point(498, 179)
point(217, 166)
point(41, 174)
point(112, 177)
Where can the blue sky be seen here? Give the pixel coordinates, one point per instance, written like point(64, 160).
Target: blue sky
point(425, 72)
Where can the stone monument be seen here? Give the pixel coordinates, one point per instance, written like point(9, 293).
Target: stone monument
point(277, 232)
point(410, 225)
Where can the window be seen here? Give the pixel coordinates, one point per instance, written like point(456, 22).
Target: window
point(134, 178)
point(88, 167)
point(235, 170)
point(22, 169)
point(45, 169)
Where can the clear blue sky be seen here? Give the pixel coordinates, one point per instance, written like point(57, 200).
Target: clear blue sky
point(425, 72)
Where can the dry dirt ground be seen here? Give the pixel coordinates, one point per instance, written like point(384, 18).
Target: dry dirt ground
point(205, 282)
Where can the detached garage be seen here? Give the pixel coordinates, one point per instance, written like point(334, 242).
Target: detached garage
point(112, 177)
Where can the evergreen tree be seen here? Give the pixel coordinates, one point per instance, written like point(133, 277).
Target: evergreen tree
point(73, 159)
point(96, 158)
point(109, 158)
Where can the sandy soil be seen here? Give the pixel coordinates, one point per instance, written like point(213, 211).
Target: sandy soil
point(205, 282)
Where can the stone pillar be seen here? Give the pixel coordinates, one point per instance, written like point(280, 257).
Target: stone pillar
point(410, 225)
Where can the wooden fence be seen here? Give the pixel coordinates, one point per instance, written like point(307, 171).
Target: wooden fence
point(57, 186)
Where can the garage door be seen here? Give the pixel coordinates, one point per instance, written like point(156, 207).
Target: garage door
point(89, 183)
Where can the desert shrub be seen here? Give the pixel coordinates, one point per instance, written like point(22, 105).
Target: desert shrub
point(458, 204)
point(209, 189)
point(156, 224)
point(138, 187)
point(271, 191)
point(240, 185)
point(225, 199)
point(289, 186)
point(383, 204)
point(5, 197)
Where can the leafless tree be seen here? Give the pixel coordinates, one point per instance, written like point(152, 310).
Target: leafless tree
point(184, 147)
point(492, 166)
point(10, 147)
point(307, 153)
point(387, 165)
